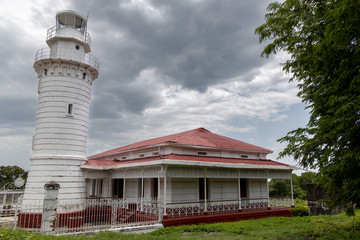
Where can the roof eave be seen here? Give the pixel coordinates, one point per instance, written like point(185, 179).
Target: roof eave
point(188, 163)
point(129, 150)
point(220, 148)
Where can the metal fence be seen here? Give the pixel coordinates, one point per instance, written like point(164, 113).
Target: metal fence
point(281, 202)
point(92, 214)
point(51, 32)
point(9, 200)
point(182, 209)
point(96, 214)
point(67, 54)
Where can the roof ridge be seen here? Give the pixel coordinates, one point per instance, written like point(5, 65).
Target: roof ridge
point(251, 159)
point(196, 137)
point(242, 142)
point(190, 132)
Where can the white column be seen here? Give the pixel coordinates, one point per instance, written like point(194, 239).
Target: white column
point(159, 194)
point(292, 192)
point(239, 191)
point(205, 192)
point(267, 188)
point(268, 193)
point(165, 191)
point(159, 188)
point(142, 193)
point(4, 199)
point(124, 190)
point(110, 186)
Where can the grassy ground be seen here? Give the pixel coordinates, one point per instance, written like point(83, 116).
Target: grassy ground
point(305, 228)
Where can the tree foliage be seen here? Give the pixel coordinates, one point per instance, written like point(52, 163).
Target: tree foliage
point(322, 39)
point(282, 187)
point(8, 174)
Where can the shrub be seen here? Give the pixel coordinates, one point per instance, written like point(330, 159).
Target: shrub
point(300, 211)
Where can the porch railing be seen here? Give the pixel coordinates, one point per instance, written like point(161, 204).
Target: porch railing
point(280, 202)
point(182, 209)
point(105, 213)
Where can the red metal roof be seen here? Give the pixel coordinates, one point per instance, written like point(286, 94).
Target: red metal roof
point(177, 157)
point(224, 160)
point(197, 137)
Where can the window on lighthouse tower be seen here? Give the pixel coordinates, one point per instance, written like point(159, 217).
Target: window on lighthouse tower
point(70, 109)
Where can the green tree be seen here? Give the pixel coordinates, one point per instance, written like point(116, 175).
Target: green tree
point(282, 187)
point(279, 188)
point(8, 174)
point(305, 178)
point(297, 190)
point(322, 40)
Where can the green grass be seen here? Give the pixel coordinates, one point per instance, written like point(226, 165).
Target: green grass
point(309, 228)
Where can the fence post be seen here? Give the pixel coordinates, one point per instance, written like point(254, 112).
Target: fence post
point(49, 207)
point(19, 203)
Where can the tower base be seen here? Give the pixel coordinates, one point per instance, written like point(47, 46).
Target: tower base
point(64, 170)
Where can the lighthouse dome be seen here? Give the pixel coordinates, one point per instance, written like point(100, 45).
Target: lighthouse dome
point(68, 18)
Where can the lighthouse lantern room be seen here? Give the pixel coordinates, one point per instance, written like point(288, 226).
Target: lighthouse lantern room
point(66, 71)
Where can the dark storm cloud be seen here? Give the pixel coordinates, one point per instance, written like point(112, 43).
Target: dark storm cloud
point(195, 43)
point(165, 66)
point(17, 110)
point(119, 97)
point(17, 79)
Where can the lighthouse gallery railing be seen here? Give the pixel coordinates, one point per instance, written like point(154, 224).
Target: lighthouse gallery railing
point(68, 54)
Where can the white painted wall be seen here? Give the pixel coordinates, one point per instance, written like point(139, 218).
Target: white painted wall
point(184, 190)
point(257, 188)
point(105, 189)
point(223, 189)
point(148, 187)
point(169, 189)
point(88, 187)
point(132, 188)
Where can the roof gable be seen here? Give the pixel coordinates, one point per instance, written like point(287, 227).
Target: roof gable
point(195, 137)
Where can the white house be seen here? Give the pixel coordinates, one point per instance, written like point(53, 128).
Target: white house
point(195, 170)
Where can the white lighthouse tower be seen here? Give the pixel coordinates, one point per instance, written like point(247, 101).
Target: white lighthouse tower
point(66, 72)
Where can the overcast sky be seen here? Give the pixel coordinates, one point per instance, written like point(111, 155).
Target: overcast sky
point(165, 67)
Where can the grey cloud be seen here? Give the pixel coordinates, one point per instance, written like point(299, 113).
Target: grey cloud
point(195, 44)
point(17, 79)
point(17, 110)
point(121, 97)
point(157, 67)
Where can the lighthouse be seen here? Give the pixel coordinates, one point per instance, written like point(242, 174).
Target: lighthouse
point(66, 71)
